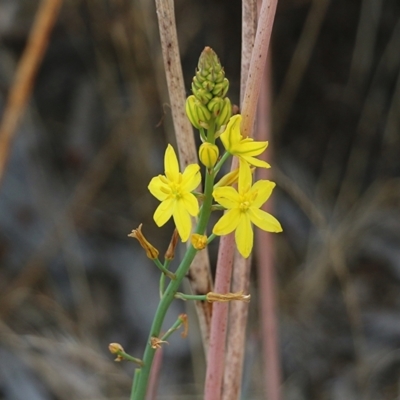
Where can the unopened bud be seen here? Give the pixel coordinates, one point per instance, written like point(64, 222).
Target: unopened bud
point(221, 89)
point(199, 242)
point(215, 106)
point(202, 94)
point(225, 113)
point(208, 154)
point(116, 348)
point(151, 251)
point(209, 81)
point(197, 113)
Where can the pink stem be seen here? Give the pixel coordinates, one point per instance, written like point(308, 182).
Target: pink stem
point(154, 376)
point(265, 251)
point(216, 352)
point(257, 65)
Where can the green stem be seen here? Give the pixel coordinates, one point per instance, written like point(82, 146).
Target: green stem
point(221, 162)
point(178, 323)
point(162, 278)
point(197, 297)
point(164, 270)
point(140, 388)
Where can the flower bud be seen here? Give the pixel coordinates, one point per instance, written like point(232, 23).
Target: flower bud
point(202, 94)
point(220, 89)
point(197, 113)
point(224, 114)
point(209, 81)
point(208, 154)
point(215, 106)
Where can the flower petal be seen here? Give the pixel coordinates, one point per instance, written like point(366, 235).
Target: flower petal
point(171, 164)
point(158, 188)
point(227, 223)
point(248, 147)
point(164, 211)
point(191, 177)
point(244, 235)
point(190, 203)
point(245, 178)
point(255, 161)
point(264, 220)
point(231, 135)
point(262, 190)
point(227, 196)
point(182, 221)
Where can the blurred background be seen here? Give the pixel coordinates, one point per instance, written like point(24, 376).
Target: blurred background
point(94, 134)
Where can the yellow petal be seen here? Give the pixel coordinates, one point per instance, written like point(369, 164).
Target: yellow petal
point(248, 147)
point(244, 235)
point(245, 178)
point(190, 203)
point(255, 161)
point(227, 196)
point(171, 164)
point(263, 190)
point(227, 223)
point(158, 188)
point(183, 222)
point(264, 220)
point(164, 211)
point(191, 177)
point(232, 135)
point(229, 179)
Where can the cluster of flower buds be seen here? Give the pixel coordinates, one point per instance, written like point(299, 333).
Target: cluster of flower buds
point(208, 102)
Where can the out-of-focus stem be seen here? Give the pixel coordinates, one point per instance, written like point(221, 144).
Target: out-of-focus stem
point(265, 265)
point(241, 270)
point(257, 65)
point(24, 79)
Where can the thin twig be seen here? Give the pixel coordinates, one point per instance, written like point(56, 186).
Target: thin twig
point(200, 276)
point(25, 75)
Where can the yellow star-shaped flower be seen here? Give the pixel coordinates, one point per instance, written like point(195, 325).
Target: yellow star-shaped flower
point(243, 207)
point(174, 191)
point(245, 148)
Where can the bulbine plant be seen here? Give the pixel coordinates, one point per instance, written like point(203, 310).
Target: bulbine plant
point(236, 193)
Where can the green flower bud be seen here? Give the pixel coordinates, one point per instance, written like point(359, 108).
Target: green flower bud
point(197, 113)
point(209, 81)
point(220, 89)
point(215, 105)
point(208, 154)
point(224, 114)
point(203, 95)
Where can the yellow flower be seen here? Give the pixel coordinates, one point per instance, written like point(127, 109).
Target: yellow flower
point(174, 191)
point(244, 209)
point(245, 148)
